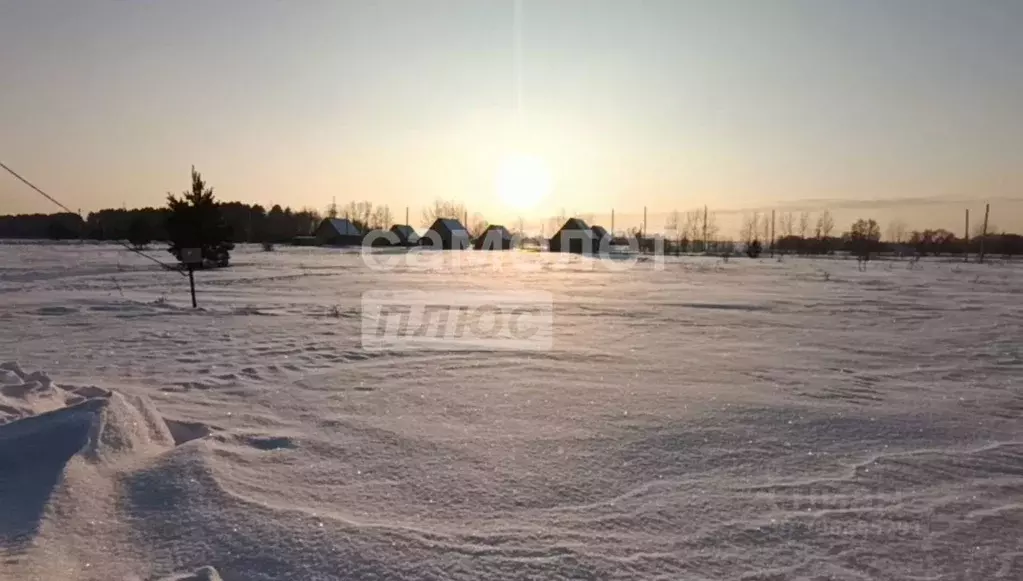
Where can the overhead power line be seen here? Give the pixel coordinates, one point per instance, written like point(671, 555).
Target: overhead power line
point(69, 210)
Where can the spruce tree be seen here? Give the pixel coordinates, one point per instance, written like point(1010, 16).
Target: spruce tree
point(195, 221)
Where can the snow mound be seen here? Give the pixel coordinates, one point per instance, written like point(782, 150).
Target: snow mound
point(63, 450)
point(41, 421)
point(24, 394)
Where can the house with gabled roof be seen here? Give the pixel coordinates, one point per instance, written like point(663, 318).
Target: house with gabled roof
point(338, 232)
point(446, 233)
point(575, 236)
point(495, 237)
point(407, 235)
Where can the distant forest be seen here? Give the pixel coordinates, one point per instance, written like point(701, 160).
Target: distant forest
point(247, 224)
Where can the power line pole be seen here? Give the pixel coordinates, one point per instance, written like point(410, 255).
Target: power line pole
point(772, 233)
point(644, 222)
point(612, 222)
point(966, 237)
point(704, 228)
point(983, 234)
point(406, 215)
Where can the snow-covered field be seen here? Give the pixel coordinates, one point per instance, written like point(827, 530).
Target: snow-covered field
point(745, 420)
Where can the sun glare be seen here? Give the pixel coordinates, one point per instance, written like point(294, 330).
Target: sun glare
point(523, 181)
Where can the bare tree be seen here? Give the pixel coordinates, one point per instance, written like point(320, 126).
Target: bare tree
point(477, 225)
point(804, 224)
point(381, 218)
point(520, 227)
point(692, 224)
point(673, 226)
point(710, 228)
point(787, 224)
point(360, 213)
point(312, 218)
point(897, 230)
point(750, 228)
point(443, 209)
point(825, 224)
point(332, 210)
point(556, 222)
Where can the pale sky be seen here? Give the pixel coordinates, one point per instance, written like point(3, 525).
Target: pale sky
point(627, 103)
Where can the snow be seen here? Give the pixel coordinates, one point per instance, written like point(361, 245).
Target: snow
point(748, 419)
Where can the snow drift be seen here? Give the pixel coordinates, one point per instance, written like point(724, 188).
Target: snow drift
point(59, 444)
point(712, 421)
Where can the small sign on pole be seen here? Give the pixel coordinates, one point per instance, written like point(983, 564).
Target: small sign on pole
point(191, 257)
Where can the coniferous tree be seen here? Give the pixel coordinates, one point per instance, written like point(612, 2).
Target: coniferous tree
point(195, 221)
point(139, 234)
point(754, 249)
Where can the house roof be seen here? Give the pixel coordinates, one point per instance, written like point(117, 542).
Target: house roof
point(497, 230)
point(575, 225)
point(599, 231)
point(405, 232)
point(449, 224)
point(343, 226)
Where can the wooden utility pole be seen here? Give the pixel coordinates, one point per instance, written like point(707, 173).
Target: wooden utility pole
point(191, 257)
point(772, 233)
point(983, 234)
point(406, 215)
point(644, 222)
point(612, 222)
point(191, 284)
point(966, 238)
point(704, 228)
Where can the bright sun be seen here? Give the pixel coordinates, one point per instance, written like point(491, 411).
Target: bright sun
point(522, 181)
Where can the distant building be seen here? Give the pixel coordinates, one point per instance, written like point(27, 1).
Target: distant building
point(575, 237)
point(495, 237)
point(379, 238)
point(406, 234)
point(446, 233)
point(338, 232)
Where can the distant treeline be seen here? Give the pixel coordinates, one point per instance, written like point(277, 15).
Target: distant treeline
point(246, 223)
point(255, 224)
point(925, 243)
